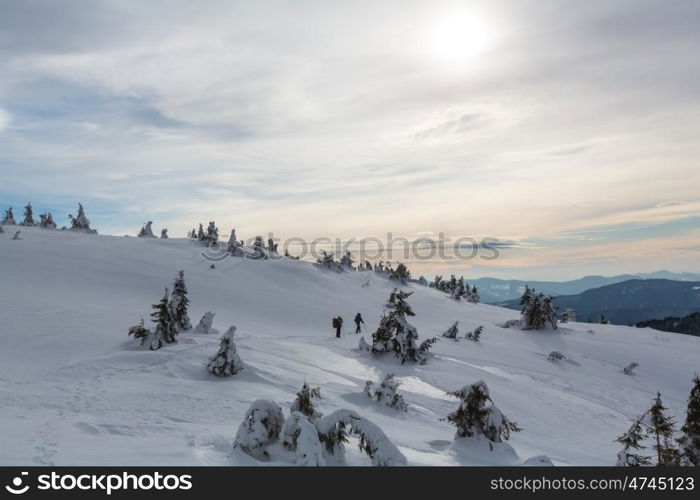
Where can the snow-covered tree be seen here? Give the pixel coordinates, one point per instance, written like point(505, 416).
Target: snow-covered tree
point(17, 235)
point(46, 221)
point(260, 253)
point(304, 401)
point(165, 331)
point(400, 274)
point(226, 361)
point(204, 325)
point(1, 229)
point(436, 283)
point(629, 369)
point(347, 260)
point(538, 310)
point(690, 432)
point(333, 431)
point(386, 392)
point(164, 234)
point(452, 332)
point(473, 295)
point(261, 426)
point(475, 336)
point(309, 450)
point(200, 233)
point(568, 315)
point(9, 218)
point(477, 415)
point(556, 356)
point(179, 303)
point(233, 246)
point(212, 233)
point(146, 231)
point(140, 332)
point(395, 334)
point(81, 222)
point(326, 259)
point(631, 442)
point(422, 281)
point(28, 216)
point(661, 429)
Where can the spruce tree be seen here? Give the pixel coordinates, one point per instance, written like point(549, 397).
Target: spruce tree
point(9, 218)
point(475, 336)
point(46, 221)
point(28, 216)
point(347, 260)
point(165, 331)
point(81, 222)
point(140, 332)
point(179, 303)
point(395, 334)
point(477, 415)
point(164, 234)
point(452, 332)
point(632, 441)
point(473, 295)
point(400, 274)
point(661, 430)
point(386, 392)
point(304, 401)
point(200, 233)
point(226, 361)
point(690, 432)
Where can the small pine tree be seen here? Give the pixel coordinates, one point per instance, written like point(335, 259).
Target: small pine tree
point(226, 362)
point(475, 336)
point(9, 218)
point(386, 392)
point(166, 330)
point(140, 332)
point(179, 303)
point(400, 274)
point(347, 260)
point(629, 369)
point(661, 429)
point(452, 332)
point(28, 216)
point(164, 234)
point(436, 282)
point(690, 432)
point(204, 325)
point(473, 296)
point(477, 415)
point(200, 233)
point(395, 334)
point(146, 230)
point(556, 356)
point(632, 441)
point(81, 222)
point(304, 401)
point(212, 233)
point(46, 221)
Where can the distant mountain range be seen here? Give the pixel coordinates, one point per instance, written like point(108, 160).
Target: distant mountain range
point(629, 301)
point(496, 291)
point(687, 324)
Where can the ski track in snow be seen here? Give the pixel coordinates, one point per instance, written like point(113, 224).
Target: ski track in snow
point(74, 389)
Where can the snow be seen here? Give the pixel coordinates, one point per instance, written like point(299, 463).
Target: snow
point(76, 390)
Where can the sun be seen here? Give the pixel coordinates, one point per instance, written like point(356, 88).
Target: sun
point(461, 37)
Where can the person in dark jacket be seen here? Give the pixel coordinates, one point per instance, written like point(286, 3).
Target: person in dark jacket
point(358, 321)
point(337, 324)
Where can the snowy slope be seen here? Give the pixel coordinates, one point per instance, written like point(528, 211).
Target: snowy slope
point(74, 389)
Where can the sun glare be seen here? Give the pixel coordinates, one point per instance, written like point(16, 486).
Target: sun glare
point(460, 37)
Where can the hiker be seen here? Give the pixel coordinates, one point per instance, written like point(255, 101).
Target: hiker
point(358, 320)
point(337, 324)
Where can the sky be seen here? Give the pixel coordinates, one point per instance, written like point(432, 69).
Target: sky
point(567, 129)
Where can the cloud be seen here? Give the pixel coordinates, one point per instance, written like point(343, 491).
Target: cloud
point(329, 117)
point(4, 120)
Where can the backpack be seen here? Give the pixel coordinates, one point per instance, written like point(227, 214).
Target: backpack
point(336, 323)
